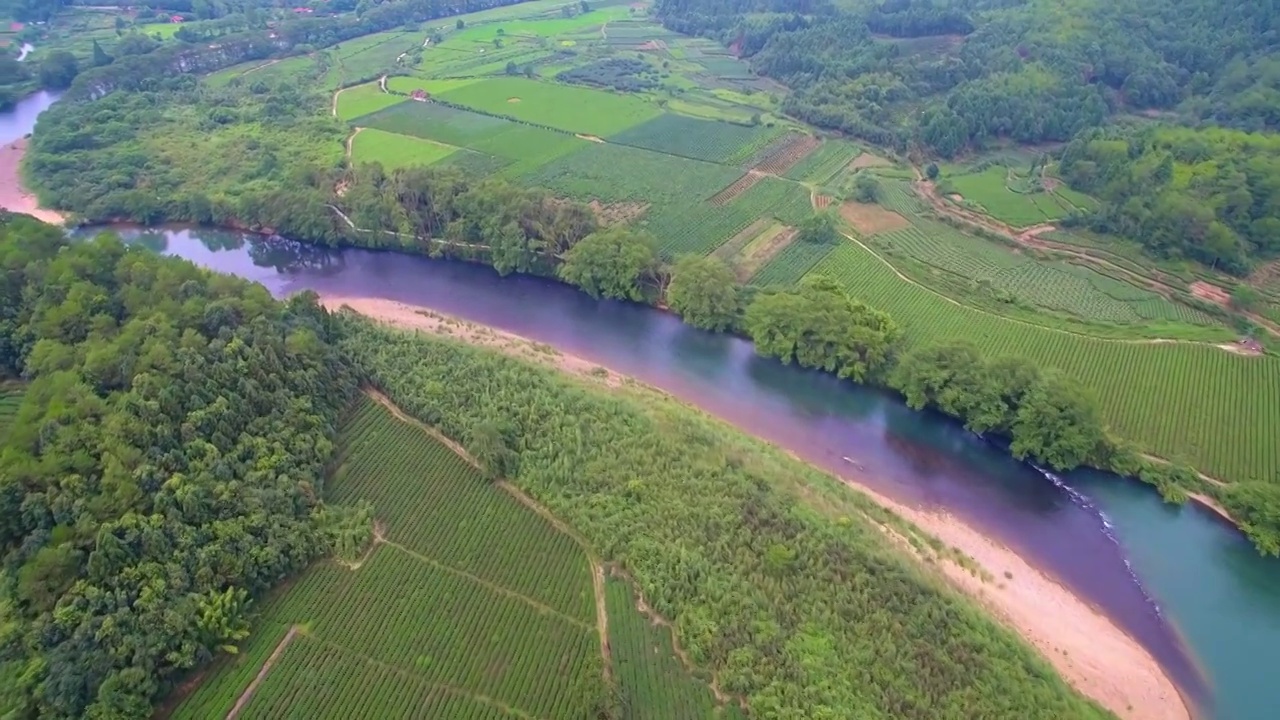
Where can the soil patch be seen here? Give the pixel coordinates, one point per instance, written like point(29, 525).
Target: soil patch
point(617, 213)
point(780, 157)
point(513, 99)
point(739, 186)
point(869, 218)
point(956, 197)
point(735, 244)
point(1238, 349)
point(762, 250)
point(590, 138)
point(1212, 293)
point(866, 160)
point(13, 197)
point(822, 202)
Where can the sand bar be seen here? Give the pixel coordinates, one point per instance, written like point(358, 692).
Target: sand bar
point(15, 198)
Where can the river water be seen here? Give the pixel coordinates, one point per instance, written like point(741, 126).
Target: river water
point(1180, 580)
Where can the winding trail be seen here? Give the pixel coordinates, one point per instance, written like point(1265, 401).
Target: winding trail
point(247, 695)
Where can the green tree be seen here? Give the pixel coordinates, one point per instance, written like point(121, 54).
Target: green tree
point(704, 292)
point(512, 68)
point(866, 188)
point(460, 24)
point(1247, 298)
point(610, 263)
point(1058, 424)
point(931, 171)
point(58, 70)
point(820, 228)
point(491, 444)
point(100, 56)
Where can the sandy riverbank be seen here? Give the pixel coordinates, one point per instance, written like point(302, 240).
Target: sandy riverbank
point(13, 196)
point(1085, 646)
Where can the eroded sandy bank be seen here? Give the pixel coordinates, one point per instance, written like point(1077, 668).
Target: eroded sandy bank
point(13, 197)
point(1086, 647)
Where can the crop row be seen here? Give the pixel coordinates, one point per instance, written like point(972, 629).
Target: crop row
point(699, 227)
point(417, 486)
point(215, 696)
point(1187, 402)
point(10, 401)
point(652, 682)
point(793, 263)
point(1057, 289)
point(709, 140)
point(446, 628)
point(896, 195)
point(316, 680)
point(822, 164)
point(950, 250)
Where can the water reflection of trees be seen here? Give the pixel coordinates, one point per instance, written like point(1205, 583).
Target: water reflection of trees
point(290, 256)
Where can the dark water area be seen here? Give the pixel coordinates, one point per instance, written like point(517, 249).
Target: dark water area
point(1185, 584)
point(1161, 572)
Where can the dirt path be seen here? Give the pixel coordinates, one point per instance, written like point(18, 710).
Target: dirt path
point(382, 83)
point(351, 139)
point(1030, 237)
point(1090, 651)
point(262, 673)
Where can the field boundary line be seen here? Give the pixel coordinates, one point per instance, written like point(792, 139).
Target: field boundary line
point(262, 673)
point(446, 687)
point(957, 303)
point(541, 607)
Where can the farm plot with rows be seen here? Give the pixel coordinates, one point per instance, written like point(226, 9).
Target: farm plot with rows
point(396, 151)
point(990, 191)
point(652, 681)
point(710, 140)
point(10, 400)
point(822, 164)
point(1188, 402)
point(779, 157)
point(563, 107)
point(791, 264)
point(468, 605)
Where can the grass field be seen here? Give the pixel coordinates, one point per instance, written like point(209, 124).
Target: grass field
point(354, 102)
point(990, 191)
point(563, 107)
point(395, 151)
point(471, 605)
point(709, 140)
point(1188, 402)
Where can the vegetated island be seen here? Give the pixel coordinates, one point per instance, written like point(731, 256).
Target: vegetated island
point(192, 470)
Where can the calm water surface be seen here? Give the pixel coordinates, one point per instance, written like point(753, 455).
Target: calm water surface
point(1162, 572)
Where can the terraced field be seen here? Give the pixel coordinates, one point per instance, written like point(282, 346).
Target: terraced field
point(10, 399)
point(1189, 402)
point(469, 605)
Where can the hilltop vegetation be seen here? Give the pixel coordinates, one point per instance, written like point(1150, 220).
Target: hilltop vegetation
point(163, 467)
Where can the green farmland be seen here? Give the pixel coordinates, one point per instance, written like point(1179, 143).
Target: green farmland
point(464, 602)
point(393, 151)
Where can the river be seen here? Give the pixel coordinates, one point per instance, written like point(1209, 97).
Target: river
point(1185, 584)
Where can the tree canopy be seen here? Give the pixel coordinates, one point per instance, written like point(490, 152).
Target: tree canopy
point(164, 468)
point(704, 292)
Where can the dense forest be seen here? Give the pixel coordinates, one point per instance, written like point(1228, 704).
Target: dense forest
point(1209, 194)
point(1031, 71)
point(793, 598)
point(164, 468)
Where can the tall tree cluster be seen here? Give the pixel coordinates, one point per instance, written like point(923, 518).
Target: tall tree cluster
point(164, 468)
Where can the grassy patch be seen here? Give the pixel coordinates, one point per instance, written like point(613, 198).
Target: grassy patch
point(396, 151)
point(361, 100)
point(573, 109)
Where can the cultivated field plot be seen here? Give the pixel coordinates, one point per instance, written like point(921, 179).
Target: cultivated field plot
point(10, 399)
point(996, 192)
point(652, 681)
point(354, 102)
point(823, 163)
point(407, 84)
point(677, 190)
point(396, 151)
point(473, 602)
point(515, 146)
point(1189, 402)
point(709, 140)
point(563, 107)
point(790, 265)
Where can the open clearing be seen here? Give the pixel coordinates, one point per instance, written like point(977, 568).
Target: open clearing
point(563, 107)
point(458, 611)
point(869, 219)
point(354, 102)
